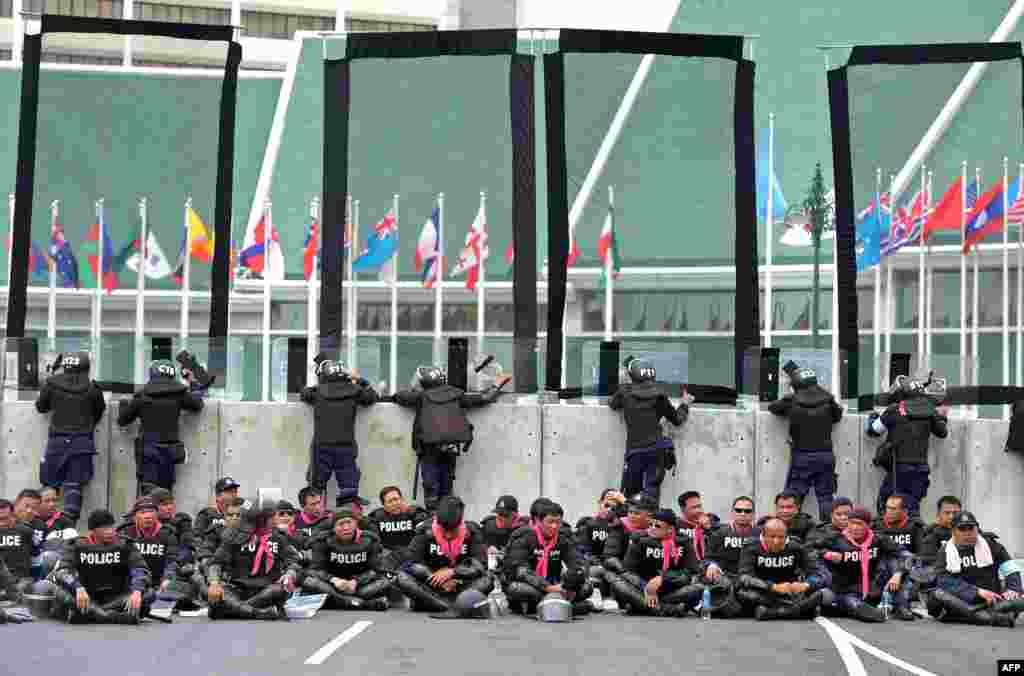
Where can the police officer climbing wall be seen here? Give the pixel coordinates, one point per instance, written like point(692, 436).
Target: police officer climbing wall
point(441, 430)
point(812, 411)
point(77, 405)
point(159, 404)
point(335, 401)
point(649, 453)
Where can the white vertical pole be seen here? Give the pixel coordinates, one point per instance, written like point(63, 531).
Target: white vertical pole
point(877, 316)
point(963, 275)
point(609, 296)
point(341, 11)
point(1006, 281)
point(97, 314)
point(393, 357)
point(18, 32)
point(129, 13)
point(312, 288)
point(10, 236)
point(51, 308)
point(890, 294)
point(267, 230)
point(186, 294)
point(929, 270)
point(769, 222)
point(140, 295)
point(439, 280)
point(236, 13)
point(353, 315)
point(1020, 282)
point(921, 348)
point(975, 322)
point(481, 277)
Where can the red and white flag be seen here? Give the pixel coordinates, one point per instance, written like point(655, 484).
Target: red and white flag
point(475, 251)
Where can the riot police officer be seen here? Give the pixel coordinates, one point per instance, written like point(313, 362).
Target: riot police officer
point(77, 406)
point(335, 401)
point(441, 430)
point(912, 418)
point(159, 404)
point(649, 453)
point(812, 411)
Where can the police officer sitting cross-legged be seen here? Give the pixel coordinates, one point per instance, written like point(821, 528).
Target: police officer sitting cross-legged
point(181, 588)
point(821, 534)
point(441, 430)
point(933, 539)
point(102, 578)
point(778, 576)
point(16, 546)
point(77, 406)
point(396, 523)
point(445, 558)
point(159, 404)
point(253, 570)
point(210, 540)
point(722, 565)
point(649, 453)
point(591, 534)
point(336, 401)
point(863, 566)
point(787, 508)
point(969, 589)
point(541, 560)
point(659, 571)
point(812, 412)
point(159, 549)
point(345, 568)
point(312, 516)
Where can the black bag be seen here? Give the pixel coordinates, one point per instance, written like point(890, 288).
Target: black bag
point(884, 456)
point(178, 452)
point(441, 420)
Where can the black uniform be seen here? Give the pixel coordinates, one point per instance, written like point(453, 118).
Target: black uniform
point(908, 536)
point(910, 424)
point(724, 546)
point(396, 533)
point(696, 534)
point(77, 406)
point(526, 585)
point(335, 404)
point(426, 556)
point(207, 518)
point(760, 569)
point(957, 599)
point(885, 559)
point(182, 590)
point(16, 545)
point(812, 411)
point(108, 573)
point(800, 526)
point(51, 533)
point(643, 405)
point(249, 594)
point(310, 527)
point(159, 404)
point(680, 590)
point(819, 536)
point(356, 560)
point(441, 431)
point(160, 552)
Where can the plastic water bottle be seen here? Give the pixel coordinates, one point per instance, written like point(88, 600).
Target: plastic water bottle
point(705, 605)
point(492, 560)
point(886, 606)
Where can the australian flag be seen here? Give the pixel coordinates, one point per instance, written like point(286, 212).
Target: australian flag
point(63, 257)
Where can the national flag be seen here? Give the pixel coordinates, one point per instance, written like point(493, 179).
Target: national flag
point(92, 239)
point(381, 245)
point(123, 254)
point(948, 213)
point(986, 217)
point(766, 183)
point(904, 227)
point(63, 256)
point(574, 249)
point(310, 249)
point(39, 263)
point(261, 252)
point(1016, 212)
point(475, 251)
point(202, 241)
point(608, 247)
point(872, 221)
point(428, 250)
point(157, 265)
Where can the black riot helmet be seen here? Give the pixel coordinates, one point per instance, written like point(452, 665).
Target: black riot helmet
point(430, 376)
point(162, 369)
point(75, 362)
point(803, 377)
point(642, 371)
point(331, 371)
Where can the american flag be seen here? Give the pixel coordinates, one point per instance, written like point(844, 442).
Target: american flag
point(1016, 212)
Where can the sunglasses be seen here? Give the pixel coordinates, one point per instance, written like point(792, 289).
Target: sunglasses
point(740, 510)
point(286, 514)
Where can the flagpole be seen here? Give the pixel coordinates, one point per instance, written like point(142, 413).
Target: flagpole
point(877, 318)
point(311, 288)
point(480, 276)
point(51, 309)
point(1006, 281)
point(890, 300)
point(608, 291)
point(769, 228)
point(921, 348)
point(393, 357)
point(186, 298)
point(929, 270)
point(97, 315)
point(267, 232)
point(140, 294)
point(974, 322)
point(1020, 280)
point(963, 274)
point(438, 351)
point(353, 315)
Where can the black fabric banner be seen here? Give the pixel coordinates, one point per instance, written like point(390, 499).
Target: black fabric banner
point(558, 214)
point(914, 55)
point(747, 329)
point(524, 228)
point(418, 44)
point(337, 101)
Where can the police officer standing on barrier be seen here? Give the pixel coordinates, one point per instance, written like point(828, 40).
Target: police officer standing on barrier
point(812, 412)
point(913, 417)
point(649, 453)
point(441, 431)
point(159, 404)
point(77, 405)
point(336, 401)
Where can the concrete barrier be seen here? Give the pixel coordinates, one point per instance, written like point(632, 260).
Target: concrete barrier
point(569, 452)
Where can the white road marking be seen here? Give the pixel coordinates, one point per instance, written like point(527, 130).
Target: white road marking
point(845, 642)
point(320, 656)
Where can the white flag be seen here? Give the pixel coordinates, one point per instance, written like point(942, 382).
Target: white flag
point(157, 265)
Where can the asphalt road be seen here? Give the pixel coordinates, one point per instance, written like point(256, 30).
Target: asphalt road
point(400, 643)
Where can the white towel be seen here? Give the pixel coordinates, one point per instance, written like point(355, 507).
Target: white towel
point(982, 555)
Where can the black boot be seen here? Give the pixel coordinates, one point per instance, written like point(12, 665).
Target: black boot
point(673, 610)
point(425, 598)
point(807, 607)
point(905, 614)
point(379, 604)
point(339, 601)
point(1007, 620)
point(955, 609)
point(628, 596)
point(867, 613)
point(374, 589)
point(690, 595)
